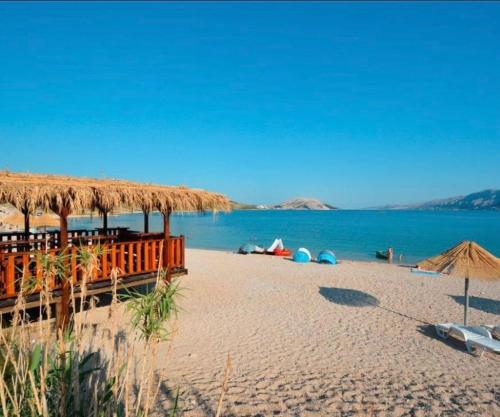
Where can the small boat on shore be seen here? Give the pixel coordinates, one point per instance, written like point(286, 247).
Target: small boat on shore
point(250, 248)
point(282, 252)
point(276, 245)
point(382, 254)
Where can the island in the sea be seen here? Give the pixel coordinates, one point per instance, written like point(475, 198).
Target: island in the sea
point(303, 203)
point(300, 203)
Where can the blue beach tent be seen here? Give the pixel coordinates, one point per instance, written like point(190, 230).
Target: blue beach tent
point(327, 257)
point(302, 256)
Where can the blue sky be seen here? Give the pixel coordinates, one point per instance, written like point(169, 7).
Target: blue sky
point(358, 104)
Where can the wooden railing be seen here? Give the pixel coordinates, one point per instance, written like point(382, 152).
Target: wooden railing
point(132, 258)
point(20, 242)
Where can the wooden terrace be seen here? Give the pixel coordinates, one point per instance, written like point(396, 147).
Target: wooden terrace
point(137, 256)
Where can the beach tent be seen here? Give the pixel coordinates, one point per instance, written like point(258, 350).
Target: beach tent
point(327, 257)
point(465, 260)
point(277, 244)
point(302, 256)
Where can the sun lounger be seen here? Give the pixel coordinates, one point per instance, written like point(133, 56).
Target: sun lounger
point(494, 330)
point(424, 272)
point(475, 337)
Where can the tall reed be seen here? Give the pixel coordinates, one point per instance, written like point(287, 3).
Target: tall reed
point(48, 372)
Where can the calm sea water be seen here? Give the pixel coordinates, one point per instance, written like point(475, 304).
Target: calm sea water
point(351, 234)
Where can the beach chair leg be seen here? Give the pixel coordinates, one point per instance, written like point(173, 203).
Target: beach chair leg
point(442, 333)
point(468, 345)
point(476, 351)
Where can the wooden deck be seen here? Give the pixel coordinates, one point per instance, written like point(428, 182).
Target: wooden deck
point(136, 256)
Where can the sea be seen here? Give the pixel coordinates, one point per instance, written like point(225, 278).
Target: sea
point(350, 234)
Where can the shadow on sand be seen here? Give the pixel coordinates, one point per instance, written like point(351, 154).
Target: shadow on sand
point(349, 297)
point(32, 314)
point(487, 305)
point(355, 298)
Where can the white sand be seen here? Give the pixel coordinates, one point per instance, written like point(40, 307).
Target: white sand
point(295, 352)
point(307, 340)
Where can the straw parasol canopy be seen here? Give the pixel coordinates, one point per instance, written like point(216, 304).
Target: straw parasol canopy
point(62, 194)
point(465, 260)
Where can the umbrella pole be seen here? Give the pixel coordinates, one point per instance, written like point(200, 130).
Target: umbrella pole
point(466, 301)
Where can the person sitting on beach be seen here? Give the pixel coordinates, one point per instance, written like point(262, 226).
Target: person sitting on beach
point(390, 254)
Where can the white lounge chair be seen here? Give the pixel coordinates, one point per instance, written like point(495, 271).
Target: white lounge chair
point(475, 337)
point(494, 330)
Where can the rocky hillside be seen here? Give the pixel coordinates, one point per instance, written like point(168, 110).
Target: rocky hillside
point(304, 204)
point(483, 200)
point(243, 206)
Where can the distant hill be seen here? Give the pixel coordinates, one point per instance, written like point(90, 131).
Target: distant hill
point(483, 200)
point(302, 203)
point(243, 206)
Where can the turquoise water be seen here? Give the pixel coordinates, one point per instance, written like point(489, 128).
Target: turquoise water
point(351, 234)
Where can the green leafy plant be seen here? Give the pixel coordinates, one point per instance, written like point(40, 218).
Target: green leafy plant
point(49, 373)
point(151, 312)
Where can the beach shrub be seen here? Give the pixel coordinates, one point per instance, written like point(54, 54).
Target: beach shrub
point(47, 372)
point(151, 311)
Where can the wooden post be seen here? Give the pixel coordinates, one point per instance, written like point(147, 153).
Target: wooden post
point(466, 300)
point(146, 221)
point(166, 239)
point(183, 252)
point(105, 222)
point(63, 316)
point(26, 214)
point(26, 223)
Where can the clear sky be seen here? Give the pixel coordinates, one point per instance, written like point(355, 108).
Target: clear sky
point(358, 104)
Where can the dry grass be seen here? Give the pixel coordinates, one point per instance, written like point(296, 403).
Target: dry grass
point(29, 192)
point(44, 372)
point(224, 385)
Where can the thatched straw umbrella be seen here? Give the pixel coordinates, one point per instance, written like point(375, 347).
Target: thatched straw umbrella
point(465, 260)
point(29, 192)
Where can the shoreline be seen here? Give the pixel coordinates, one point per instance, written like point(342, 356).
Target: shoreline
point(286, 258)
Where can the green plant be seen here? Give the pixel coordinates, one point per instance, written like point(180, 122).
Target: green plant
point(49, 373)
point(150, 312)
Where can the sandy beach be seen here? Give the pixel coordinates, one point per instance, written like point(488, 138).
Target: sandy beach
point(144, 143)
point(346, 340)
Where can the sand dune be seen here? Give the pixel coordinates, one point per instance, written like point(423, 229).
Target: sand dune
point(348, 340)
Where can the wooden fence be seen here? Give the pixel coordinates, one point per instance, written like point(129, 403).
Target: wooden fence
point(131, 258)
